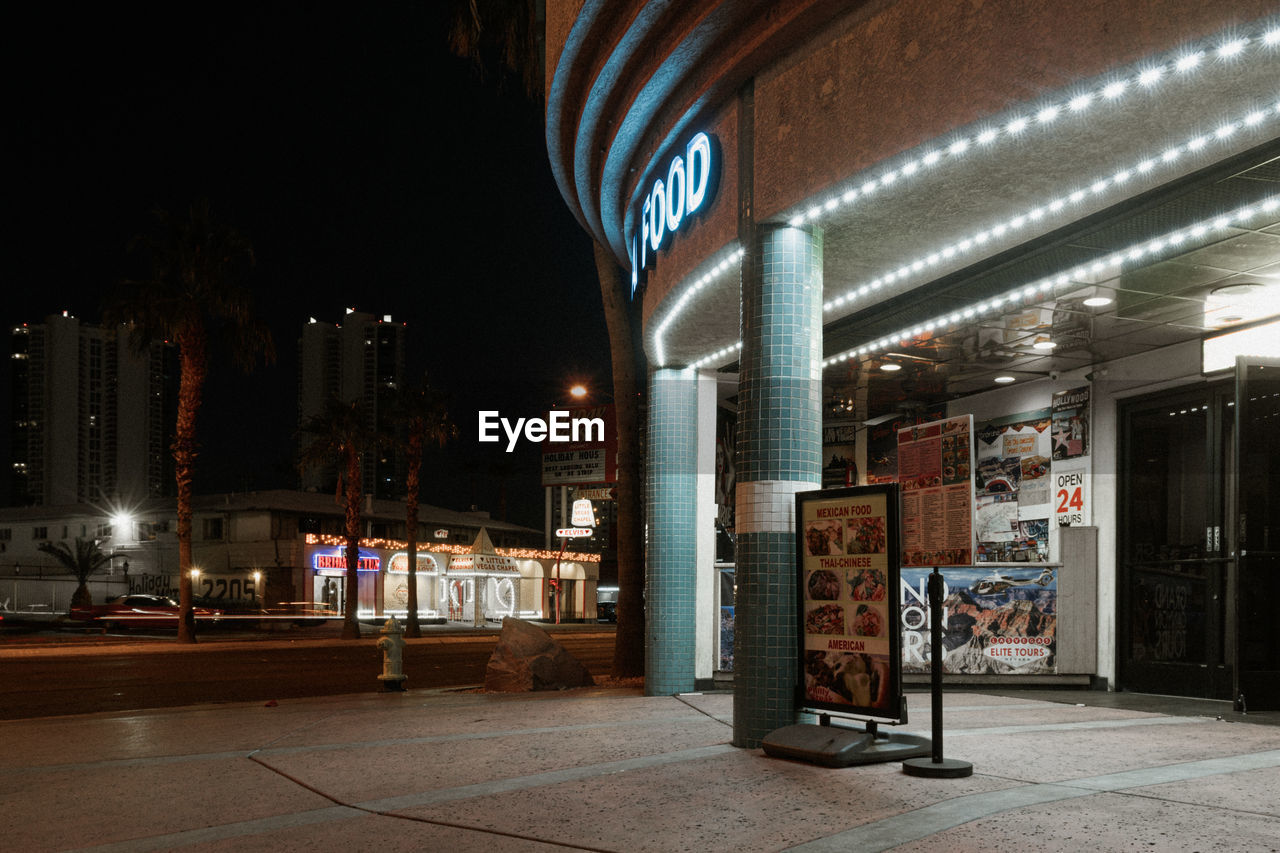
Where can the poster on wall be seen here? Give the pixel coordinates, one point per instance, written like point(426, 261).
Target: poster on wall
point(1014, 487)
point(847, 568)
point(839, 456)
point(882, 452)
point(1071, 423)
point(1071, 492)
point(726, 473)
point(935, 473)
point(882, 443)
point(1000, 621)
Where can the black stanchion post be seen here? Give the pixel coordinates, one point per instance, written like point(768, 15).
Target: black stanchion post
point(937, 766)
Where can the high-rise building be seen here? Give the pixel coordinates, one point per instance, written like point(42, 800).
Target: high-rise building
point(362, 358)
point(92, 419)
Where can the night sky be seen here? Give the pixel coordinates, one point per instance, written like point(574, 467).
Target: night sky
point(368, 167)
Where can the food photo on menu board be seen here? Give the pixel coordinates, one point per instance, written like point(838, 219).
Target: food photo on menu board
point(847, 566)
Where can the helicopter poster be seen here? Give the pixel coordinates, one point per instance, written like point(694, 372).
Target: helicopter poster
point(998, 620)
point(847, 570)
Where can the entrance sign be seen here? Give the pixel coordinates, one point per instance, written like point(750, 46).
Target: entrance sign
point(935, 471)
point(688, 183)
point(847, 572)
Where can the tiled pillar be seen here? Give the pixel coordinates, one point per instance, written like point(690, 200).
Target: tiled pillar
point(779, 453)
point(671, 540)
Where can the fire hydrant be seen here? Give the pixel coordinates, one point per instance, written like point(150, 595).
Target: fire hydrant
point(392, 645)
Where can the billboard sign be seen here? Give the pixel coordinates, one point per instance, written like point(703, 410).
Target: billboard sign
point(847, 573)
point(584, 462)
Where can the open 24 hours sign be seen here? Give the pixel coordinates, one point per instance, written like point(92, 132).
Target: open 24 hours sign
point(847, 571)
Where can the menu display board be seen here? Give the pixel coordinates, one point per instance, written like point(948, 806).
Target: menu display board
point(935, 472)
point(847, 570)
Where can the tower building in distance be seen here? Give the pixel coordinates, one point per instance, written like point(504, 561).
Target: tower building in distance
point(91, 419)
point(362, 358)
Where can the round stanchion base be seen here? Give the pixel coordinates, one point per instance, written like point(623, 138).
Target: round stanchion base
point(947, 768)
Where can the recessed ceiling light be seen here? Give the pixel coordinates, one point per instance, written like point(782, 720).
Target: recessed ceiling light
point(1242, 289)
point(1098, 301)
point(1044, 345)
point(1005, 380)
point(890, 367)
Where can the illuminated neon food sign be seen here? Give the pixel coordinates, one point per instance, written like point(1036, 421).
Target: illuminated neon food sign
point(689, 184)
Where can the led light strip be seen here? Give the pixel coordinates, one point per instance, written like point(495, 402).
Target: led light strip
point(1147, 78)
point(1114, 262)
point(694, 289)
point(1253, 119)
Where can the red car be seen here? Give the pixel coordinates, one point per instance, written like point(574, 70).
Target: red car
point(139, 611)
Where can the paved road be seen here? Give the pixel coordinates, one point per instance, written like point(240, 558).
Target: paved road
point(85, 679)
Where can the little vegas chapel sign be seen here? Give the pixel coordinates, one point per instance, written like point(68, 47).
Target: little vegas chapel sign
point(688, 184)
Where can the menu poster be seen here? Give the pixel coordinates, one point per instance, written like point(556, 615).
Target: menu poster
point(935, 472)
point(847, 570)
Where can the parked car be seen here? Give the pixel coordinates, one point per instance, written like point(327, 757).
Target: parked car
point(139, 611)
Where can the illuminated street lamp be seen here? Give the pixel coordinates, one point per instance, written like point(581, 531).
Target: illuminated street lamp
point(579, 391)
point(257, 578)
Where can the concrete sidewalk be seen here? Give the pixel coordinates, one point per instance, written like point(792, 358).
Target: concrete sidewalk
point(610, 769)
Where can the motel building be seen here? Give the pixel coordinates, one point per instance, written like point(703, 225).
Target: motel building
point(285, 552)
point(1056, 222)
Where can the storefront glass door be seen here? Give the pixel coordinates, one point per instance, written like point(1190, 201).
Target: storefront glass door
point(1257, 533)
point(1174, 560)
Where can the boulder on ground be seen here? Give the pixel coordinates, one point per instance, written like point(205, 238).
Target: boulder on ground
point(528, 658)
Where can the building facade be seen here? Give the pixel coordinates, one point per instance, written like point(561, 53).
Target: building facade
point(360, 359)
point(255, 550)
point(1058, 220)
point(92, 419)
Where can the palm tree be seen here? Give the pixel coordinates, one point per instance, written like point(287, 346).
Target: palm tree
point(423, 413)
point(343, 431)
point(82, 561)
point(506, 30)
point(194, 293)
point(628, 365)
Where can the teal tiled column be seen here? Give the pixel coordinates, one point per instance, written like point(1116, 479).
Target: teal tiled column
point(671, 540)
point(779, 453)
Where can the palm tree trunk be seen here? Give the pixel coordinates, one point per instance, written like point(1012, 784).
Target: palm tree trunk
point(193, 358)
point(413, 629)
point(628, 650)
point(350, 622)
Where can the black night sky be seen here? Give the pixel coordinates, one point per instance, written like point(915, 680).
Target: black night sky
point(368, 167)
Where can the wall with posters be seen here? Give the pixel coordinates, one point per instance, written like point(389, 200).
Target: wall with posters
point(1012, 487)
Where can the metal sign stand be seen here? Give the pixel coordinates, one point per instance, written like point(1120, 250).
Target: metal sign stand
point(838, 746)
point(936, 767)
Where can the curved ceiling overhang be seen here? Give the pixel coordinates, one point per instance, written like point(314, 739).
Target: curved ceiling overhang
point(1006, 181)
point(644, 91)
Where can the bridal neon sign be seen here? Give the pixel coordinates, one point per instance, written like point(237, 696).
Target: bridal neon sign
point(689, 184)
